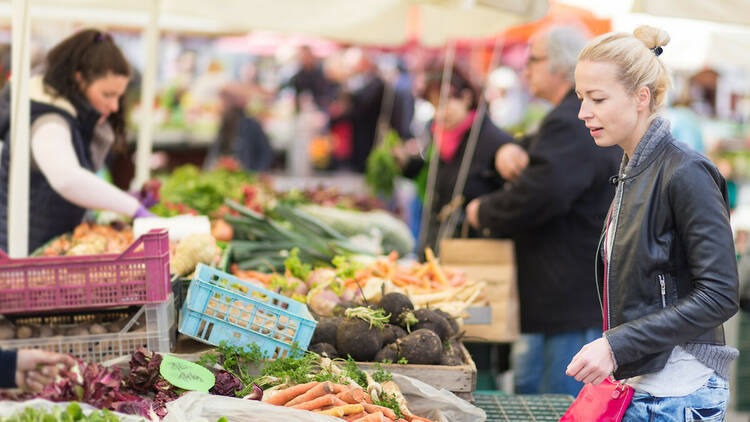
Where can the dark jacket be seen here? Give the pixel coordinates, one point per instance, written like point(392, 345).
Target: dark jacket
point(482, 178)
point(7, 368)
point(314, 82)
point(672, 277)
point(242, 137)
point(50, 214)
point(366, 106)
point(554, 213)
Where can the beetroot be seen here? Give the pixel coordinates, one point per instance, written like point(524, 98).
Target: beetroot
point(324, 349)
point(432, 320)
point(356, 338)
point(392, 333)
point(325, 331)
point(421, 347)
point(387, 353)
point(398, 306)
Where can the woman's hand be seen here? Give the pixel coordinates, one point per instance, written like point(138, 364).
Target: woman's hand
point(510, 160)
point(593, 363)
point(472, 213)
point(35, 369)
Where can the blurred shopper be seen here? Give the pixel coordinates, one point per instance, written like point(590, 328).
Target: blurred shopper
point(30, 369)
point(367, 90)
point(666, 264)
point(311, 79)
point(553, 209)
point(76, 116)
point(453, 135)
point(240, 135)
point(685, 123)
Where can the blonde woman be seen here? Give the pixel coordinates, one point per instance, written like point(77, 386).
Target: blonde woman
point(666, 267)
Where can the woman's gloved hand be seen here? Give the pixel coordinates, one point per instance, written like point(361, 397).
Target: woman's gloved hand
point(142, 211)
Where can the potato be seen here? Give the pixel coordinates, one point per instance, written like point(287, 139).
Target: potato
point(77, 331)
point(98, 329)
point(24, 332)
point(46, 331)
point(7, 333)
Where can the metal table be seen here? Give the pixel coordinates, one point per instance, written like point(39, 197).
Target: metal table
point(502, 407)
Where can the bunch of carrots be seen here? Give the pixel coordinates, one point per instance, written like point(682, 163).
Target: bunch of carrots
point(342, 401)
point(429, 276)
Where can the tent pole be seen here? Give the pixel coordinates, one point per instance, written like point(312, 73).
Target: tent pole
point(148, 93)
point(424, 227)
point(18, 189)
point(447, 227)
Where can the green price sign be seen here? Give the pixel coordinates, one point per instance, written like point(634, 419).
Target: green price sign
point(186, 375)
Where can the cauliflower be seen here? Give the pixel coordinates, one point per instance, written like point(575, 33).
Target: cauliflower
point(192, 250)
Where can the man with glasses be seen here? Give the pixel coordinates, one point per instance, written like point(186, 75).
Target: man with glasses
point(553, 206)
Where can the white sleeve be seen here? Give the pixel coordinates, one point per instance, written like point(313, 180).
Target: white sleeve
point(52, 150)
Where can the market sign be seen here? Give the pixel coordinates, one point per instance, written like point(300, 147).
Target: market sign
point(186, 375)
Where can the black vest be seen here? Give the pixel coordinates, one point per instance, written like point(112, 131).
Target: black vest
point(50, 214)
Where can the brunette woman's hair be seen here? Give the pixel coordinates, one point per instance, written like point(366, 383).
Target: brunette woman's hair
point(94, 55)
point(459, 83)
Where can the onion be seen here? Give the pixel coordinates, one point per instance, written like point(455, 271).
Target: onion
point(256, 394)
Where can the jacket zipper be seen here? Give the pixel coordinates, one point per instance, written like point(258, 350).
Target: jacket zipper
point(609, 255)
point(663, 286)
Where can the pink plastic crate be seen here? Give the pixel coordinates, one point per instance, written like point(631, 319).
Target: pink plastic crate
point(134, 277)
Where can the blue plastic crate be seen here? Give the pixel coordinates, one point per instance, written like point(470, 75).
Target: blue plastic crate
point(220, 307)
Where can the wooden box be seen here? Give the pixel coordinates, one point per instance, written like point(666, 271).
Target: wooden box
point(491, 261)
point(461, 380)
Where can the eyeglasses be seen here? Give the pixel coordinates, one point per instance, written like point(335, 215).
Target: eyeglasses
point(535, 59)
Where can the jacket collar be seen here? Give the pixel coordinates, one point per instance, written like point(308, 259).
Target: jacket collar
point(77, 107)
point(43, 94)
point(656, 134)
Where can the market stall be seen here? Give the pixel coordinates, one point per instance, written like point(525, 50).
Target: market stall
point(278, 267)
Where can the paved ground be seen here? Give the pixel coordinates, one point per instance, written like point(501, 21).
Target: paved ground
point(733, 416)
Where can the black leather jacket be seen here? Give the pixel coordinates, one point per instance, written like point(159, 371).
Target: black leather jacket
point(672, 273)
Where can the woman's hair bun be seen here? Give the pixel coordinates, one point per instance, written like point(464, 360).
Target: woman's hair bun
point(651, 37)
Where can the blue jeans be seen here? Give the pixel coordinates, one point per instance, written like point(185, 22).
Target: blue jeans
point(708, 404)
point(539, 361)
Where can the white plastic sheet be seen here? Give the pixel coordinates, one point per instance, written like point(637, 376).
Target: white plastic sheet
point(423, 399)
point(10, 408)
point(438, 405)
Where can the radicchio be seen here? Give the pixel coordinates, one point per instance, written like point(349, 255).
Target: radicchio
point(226, 384)
point(144, 370)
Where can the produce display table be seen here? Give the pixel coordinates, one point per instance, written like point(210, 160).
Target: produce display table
point(503, 407)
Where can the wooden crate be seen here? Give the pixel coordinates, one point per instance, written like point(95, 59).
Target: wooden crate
point(460, 380)
point(491, 261)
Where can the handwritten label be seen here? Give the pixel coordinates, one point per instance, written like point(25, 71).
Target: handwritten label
point(186, 375)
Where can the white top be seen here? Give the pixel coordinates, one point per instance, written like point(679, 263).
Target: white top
point(53, 154)
point(683, 375)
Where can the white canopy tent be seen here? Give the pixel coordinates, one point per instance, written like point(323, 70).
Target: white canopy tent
point(712, 33)
point(723, 11)
point(371, 22)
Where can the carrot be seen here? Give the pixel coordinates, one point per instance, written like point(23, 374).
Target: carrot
point(373, 408)
point(283, 396)
point(317, 403)
point(401, 420)
point(415, 418)
point(354, 417)
point(372, 417)
point(340, 388)
point(319, 390)
point(353, 395)
point(406, 279)
point(338, 402)
point(341, 411)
